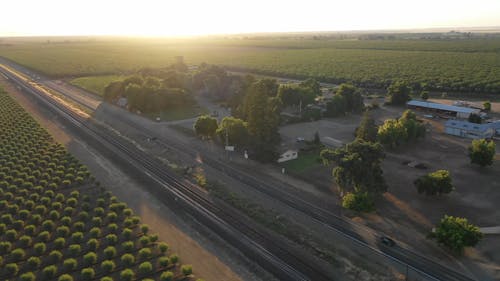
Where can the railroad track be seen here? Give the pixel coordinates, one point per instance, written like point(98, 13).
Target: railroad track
point(268, 253)
point(424, 266)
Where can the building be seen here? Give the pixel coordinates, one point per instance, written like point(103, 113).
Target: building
point(288, 155)
point(471, 130)
point(454, 111)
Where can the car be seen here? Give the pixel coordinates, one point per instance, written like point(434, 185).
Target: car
point(300, 139)
point(387, 241)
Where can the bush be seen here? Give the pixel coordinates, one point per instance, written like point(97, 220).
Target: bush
point(79, 226)
point(75, 249)
point(93, 244)
point(127, 233)
point(95, 232)
point(12, 269)
point(59, 243)
point(29, 276)
point(70, 264)
point(128, 246)
point(163, 261)
point(106, 279)
point(174, 259)
point(187, 269)
point(144, 240)
point(25, 240)
point(145, 228)
point(11, 235)
point(88, 273)
point(144, 253)
point(127, 275)
point(436, 183)
point(49, 272)
point(44, 236)
point(167, 276)
point(145, 268)
point(62, 231)
point(128, 259)
point(163, 247)
point(33, 262)
point(40, 248)
point(65, 277)
point(90, 258)
point(18, 254)
point(110, 252)
point(111, 239)
point(55, 256)
point(359, 201)
point(77, 237)
point(107, 266)
point(482, 152)
point(456, 233)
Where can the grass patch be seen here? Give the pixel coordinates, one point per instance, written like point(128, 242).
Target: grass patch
point(95, 84)
point(306, 160)
point(178, 113)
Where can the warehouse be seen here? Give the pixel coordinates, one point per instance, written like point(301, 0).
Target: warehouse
point(470, 130)
point(454, 111)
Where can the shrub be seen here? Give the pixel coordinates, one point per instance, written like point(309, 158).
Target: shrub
point(96, 221)
point(65, 277)
point(110, 252)
point(167, 276)
point(79, 226)
point(40, 248)
point(25, 240)
point(90, 258)
point(70, 264)
point(88, 273)
point(127, 275)
point(106, 279)
point(93, 244)
point(111, 239)
point(145, 268)
point(128, 259)
point(436, 183)
point(163, 261)
point(112, 227)
point(95, 232)
point(112, 216)
point(456, 233)
point(18, 254)
point(11, 235)
point(187, 269)
point(77, 237)
point(144, 253)
point(59, 243)
point(107, 266)
point(55, 256)
point(99, 211)
point(174, 259)
point(44, 236)
point(145, 228)
point(66, 221)
point(163, 247)
point(29, 230)
point(12, 269)
point(34, 262)
point(482, 152)
point(144, 240)
point(128, 246)
point(62, 231)
point(127, 233)
point(360, 202)
point(75, 249)
point(28, 276)
point(49, 272)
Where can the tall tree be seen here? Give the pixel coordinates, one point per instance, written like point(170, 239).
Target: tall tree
point(399, 93)
point(367, 129)
point(352, 97)
point(358, 166)
point(482, 152)
point(235, 129)
point(205, 126)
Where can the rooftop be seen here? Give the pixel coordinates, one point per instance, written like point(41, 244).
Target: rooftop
point(470, 126)
point(440, 106)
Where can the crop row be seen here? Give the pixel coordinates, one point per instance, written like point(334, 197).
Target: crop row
point(57, 223)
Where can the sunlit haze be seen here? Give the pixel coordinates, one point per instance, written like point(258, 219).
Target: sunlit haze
point(195, 17)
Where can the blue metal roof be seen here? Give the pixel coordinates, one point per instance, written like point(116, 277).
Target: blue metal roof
point(440, 106)
point(468, 126)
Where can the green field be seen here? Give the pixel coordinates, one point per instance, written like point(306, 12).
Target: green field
point(95, 84)
point(57, 223)
point(467, 65)
point(305, 161)
point(178, 113)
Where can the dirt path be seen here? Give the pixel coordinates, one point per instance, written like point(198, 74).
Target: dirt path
point(208, 255)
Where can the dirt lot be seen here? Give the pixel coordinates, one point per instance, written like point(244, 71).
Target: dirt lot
point(408, 216)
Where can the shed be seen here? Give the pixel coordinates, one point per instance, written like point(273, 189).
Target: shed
point(469, 130)
point(288, 155)
point(456, 111)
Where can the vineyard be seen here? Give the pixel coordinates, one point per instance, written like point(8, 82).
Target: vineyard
point(471, 65)
point(57, 223)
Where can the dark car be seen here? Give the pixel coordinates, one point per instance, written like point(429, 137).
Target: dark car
point(387, 241)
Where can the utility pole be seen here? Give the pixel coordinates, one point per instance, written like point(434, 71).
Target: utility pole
point(227, 143)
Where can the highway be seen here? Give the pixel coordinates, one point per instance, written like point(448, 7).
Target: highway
point(399, 254)
point(255, 243)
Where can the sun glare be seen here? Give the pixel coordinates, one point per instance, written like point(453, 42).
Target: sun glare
point(193, 17)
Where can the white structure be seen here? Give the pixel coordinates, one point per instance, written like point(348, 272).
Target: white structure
point(456, 111)
point(288, 155)
point(469, 130)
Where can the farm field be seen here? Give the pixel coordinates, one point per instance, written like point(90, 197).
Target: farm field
point(471, 65)
point(56, 223)
point(95, 84)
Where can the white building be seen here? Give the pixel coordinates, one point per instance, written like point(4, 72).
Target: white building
point(288, 155)
point(470, 130)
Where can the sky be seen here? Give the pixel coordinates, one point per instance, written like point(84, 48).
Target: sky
point(201, 17)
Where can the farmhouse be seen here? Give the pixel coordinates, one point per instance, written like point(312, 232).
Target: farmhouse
point(470, 130)
point(455, 111)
